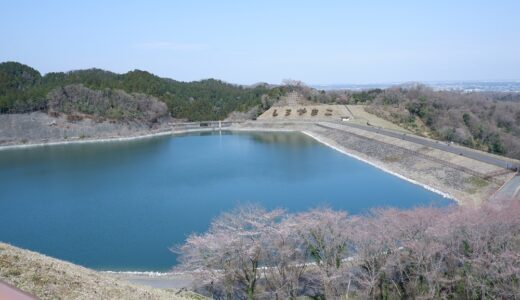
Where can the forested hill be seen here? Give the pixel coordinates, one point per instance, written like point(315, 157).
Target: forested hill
point(24, 89)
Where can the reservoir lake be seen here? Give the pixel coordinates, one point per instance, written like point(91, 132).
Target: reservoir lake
point(121, 205)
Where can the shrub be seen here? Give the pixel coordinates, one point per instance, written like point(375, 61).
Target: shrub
point(74, 118)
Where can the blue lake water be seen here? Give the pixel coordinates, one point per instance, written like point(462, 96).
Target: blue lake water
point(121, 205)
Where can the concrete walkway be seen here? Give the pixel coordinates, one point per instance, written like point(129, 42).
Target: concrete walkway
point(510, 190)
point(8, 292)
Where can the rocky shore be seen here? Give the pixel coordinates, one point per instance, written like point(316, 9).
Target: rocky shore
point(40, 128)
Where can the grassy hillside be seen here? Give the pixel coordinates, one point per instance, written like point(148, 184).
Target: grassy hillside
point(49, 278)
point(24, 89)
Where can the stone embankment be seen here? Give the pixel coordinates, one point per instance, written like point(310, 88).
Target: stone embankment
point(454, 176)
point(41, 128)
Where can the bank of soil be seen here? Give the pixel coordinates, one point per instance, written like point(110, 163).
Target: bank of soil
point(49, 278)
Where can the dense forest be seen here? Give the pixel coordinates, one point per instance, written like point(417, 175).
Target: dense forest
point(24, 89)
point(489, 121)
point(423, 253)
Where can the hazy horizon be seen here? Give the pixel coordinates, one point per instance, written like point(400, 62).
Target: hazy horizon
point(332, 43)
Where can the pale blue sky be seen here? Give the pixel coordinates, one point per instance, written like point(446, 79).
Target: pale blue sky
point(318, 42)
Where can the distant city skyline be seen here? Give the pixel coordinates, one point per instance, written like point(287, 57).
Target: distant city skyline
point(333, 42)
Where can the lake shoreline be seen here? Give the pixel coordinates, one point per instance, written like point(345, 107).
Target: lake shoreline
point(308, 133)
point(380, 167)
point(132, 137)
point(86, 141)
point(179, 280)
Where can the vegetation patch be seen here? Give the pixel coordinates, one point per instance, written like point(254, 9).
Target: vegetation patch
point(392, 158)
point(73, 118)
point(477, 182)
point(23, 89)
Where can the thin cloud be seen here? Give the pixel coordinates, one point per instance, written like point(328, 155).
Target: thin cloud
point(171, 46)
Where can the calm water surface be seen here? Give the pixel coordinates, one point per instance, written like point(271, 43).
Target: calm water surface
point(121, 205)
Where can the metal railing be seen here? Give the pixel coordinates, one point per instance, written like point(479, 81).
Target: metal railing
point(203, 125)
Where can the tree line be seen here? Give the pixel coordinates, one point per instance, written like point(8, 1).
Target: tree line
point(23, 89)
point(445, 253)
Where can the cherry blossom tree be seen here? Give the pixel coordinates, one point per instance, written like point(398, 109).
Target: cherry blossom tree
point(285, 261)
point(449, 253)
point(227, 258)
point(326, 235)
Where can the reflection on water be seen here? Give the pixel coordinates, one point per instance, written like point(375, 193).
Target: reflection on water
point(121, 205)
point(297, 140)
point(274, 137)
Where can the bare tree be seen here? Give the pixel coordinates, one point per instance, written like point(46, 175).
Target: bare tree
point(285, 260)
point(374, 241)
point(462, 252)
point(484, 251)
point(326, 235)
point(231, 251)
point(417, 264)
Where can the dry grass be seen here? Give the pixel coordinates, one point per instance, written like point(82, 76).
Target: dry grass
point(478, 182)
point(361, 116)
point(49, 278)
point(392, 158)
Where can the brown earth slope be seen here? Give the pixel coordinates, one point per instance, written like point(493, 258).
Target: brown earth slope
point(49, 278)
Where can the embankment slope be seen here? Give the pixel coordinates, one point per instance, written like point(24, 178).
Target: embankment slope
point(49, 278)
